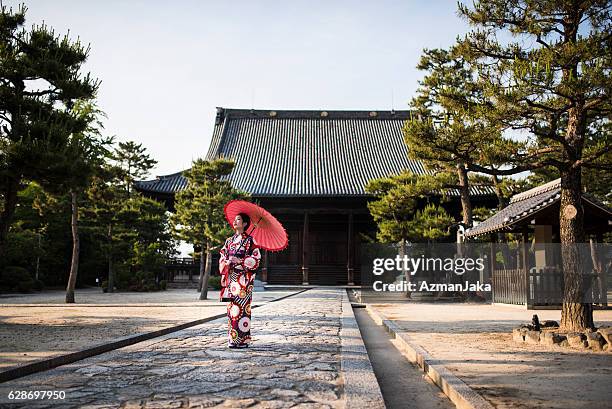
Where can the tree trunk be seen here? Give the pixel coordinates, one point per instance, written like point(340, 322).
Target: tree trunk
point(201, 270)
point(576, 315)
point(37, 257)
point(6, 217)
point(204, 293)
point(74, 265)
point(405, 272)
point(501, 200)
point(111, 273)
point(464, 191)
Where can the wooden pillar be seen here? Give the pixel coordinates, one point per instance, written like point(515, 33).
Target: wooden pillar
point(525, 266)
point(492, 253)
point(305, 247)
point(349, 261)
point(264, 269)
point(492, 260)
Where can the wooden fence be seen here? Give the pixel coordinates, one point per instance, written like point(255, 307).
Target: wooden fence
point(545, 287)
point(509, 286)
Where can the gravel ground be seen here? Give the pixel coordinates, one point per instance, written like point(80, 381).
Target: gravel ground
point(474, 341)
point(36, 326)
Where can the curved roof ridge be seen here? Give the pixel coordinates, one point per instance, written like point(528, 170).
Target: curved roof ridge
point(322, 114)
point(546, 187)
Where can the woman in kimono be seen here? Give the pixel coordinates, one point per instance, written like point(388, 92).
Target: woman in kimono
point(242, 254)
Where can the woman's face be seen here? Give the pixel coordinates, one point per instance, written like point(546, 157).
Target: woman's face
point(238, 223)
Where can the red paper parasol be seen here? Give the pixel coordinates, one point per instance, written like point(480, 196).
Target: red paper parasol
point(267, 232)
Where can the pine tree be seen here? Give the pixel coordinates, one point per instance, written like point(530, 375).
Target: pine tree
point(40, 81)
point(445, 131)
point(551, 78)
point(132, 231)
point(134, 162)
point(152, 243)
point(199, 217)
point(84, 154)
point(396, 212)
point(105, 212)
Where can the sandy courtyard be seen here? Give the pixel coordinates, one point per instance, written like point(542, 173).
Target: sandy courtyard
point(474, 341)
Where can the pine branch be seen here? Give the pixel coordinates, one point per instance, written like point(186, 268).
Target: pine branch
point(595, 155)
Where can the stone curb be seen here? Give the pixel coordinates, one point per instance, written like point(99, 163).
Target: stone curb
point(361, 388)
point(457, 391)
point(50, 363)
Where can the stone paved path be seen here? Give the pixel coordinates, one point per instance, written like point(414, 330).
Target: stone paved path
point(294, 362)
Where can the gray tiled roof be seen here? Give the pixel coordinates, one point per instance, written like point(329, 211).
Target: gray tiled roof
point(521, 205)
point(163, 184)
point(307, 153)
point(526, 204)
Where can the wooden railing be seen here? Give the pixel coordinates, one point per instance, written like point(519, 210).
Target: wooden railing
point(181, 269)
point(181, 261)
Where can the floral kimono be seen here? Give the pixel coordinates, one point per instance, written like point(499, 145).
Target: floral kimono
point(240, 285)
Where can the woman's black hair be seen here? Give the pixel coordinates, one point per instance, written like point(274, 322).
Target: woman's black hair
point(245, 219)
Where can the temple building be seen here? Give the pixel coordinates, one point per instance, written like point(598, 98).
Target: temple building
point(309, 169)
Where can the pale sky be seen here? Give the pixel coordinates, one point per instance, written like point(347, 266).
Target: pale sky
point(166, 65)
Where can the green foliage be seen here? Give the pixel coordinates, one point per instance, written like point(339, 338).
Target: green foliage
point(214, 282)
point(199, 214)
point(133, 163)
point(51, 144)
point(41, 232)
point(44, 219)
point(41, 82)
point(199, 217)
point(447, 131)
point(396, 213)
point(132, 231)
point(22, 248)
point(550, 78)
point(483, 213)
point(431, 223)
point(16, 279)
point(595, 182)
point(147, 257)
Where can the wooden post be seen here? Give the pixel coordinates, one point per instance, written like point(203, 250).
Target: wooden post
point(305, 246)
point(349, 261)
point(492, 259)
point(264, 269)
point(525, 262)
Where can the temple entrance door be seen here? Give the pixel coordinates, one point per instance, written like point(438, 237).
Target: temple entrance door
point(328, 250)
